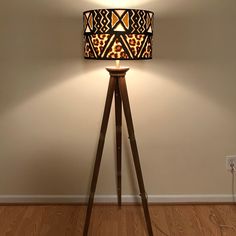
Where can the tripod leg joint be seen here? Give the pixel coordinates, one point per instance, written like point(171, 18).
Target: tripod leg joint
point(132, 138)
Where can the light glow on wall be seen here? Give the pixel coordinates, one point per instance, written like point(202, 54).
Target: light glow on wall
point(120, 3)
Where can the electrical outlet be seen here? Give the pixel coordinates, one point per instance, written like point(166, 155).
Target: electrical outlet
point(230, 161)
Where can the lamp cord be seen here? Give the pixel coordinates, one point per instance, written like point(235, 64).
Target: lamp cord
point(233, 170)
point(215, 220)
point(212, 217)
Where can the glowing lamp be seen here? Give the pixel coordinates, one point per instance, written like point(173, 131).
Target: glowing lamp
point(118, 34)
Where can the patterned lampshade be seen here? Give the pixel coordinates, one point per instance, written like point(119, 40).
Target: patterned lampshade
point(118, 34)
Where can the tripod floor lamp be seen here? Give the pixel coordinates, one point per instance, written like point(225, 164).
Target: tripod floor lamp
point(118, 34)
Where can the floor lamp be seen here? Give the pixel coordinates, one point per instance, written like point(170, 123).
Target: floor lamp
point(118, 34)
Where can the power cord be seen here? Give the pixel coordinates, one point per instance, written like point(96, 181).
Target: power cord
point(233, 170)
point(213, 218)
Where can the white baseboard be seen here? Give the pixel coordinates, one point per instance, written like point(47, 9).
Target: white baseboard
point(70, 199)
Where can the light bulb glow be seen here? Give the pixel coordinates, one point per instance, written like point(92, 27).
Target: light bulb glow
point(117, 63)
point(120, 3)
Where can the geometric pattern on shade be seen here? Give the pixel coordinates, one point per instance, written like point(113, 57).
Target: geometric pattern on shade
point(112, 34)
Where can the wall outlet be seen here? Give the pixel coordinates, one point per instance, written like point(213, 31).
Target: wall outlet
point(230, 161)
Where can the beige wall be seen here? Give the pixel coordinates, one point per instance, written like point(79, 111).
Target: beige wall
point(51, 100)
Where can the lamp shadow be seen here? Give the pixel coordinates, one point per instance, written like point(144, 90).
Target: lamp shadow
point(198, 52)
point(40, 47)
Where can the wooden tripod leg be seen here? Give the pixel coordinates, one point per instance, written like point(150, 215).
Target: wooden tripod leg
point(118, 113)
point(105, 119)
point(130, 126)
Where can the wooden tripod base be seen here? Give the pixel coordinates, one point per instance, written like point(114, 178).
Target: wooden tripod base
point(117, 86)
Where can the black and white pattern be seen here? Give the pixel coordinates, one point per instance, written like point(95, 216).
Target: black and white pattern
point(118, 34)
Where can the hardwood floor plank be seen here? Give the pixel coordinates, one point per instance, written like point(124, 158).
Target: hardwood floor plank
point(109, 220)
point(15, 214)
point(159, 220)
point(227, 219)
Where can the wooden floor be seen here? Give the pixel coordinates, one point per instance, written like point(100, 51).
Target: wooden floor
point(184, 220)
